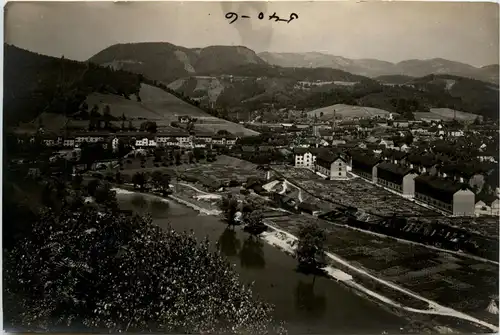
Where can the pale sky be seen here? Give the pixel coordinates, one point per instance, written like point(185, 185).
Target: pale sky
point(391, 31)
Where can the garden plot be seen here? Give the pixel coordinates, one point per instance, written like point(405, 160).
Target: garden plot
point(226, 169)
point(458, 282)
point(365, 196)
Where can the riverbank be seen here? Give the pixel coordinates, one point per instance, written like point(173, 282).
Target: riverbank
point(351, 275)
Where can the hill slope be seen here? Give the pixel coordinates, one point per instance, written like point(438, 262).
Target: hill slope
point(166, 62)
point(346, 111)
point(163, 108)
point(375, 68)
point(35, 83)
point(43, 90)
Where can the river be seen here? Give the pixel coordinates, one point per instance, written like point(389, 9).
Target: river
point(322, 307)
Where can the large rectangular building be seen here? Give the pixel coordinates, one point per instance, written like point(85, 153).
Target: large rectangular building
point(445, 194)
point(364, 166)
point(397, 178)
point(334, 166)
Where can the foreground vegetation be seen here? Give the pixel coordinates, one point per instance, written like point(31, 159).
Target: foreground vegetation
point(92, 267)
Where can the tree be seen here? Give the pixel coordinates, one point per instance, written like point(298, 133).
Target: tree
point(229, 206)
point(161, 181)
point(139, 180)
point(118, 177)
point(149, 126)
point(109, 272)
point(92, 187)
point(310, 249)
point(77, 181)
point(190, 157)
point(254, 222)
point(177, 157)
point(105, 196)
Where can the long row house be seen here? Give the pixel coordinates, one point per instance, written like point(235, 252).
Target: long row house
point(425, 182)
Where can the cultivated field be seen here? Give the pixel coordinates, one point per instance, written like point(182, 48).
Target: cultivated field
point(445, 114)
point(368, 197)
point(347, 111)
point(226, 168)
point(355, 192)
point(458, 282)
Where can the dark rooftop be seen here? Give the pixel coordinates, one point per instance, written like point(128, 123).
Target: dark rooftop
point(438, 188)
point(392, 172)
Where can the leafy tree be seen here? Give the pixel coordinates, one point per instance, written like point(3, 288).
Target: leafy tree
point(77, 181)
point(177, 157)
point(190, 157)
point(161, 181)
point(229, 206)
point(92, 187)
point(310, 249)
point(149, 126)
point(118, 177)
point(139, 180)
point(254, 222)
point(105, 196)
point(109, 272)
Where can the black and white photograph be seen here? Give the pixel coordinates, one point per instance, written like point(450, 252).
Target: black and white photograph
point(266, 167)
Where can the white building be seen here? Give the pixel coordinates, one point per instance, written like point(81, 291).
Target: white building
point(305, 157)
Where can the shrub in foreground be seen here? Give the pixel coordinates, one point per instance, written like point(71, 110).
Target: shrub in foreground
point(119, 273)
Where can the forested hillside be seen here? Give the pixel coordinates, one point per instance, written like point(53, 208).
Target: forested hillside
point(35, 83)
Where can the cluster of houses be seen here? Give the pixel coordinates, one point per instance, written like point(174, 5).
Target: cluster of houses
point(423, 182)
point(140, 139)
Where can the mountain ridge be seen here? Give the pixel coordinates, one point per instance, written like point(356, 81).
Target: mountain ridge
point(375, 68)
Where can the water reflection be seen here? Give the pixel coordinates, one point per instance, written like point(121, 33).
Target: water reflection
point(158, 208)
point(229, 244)
point(308, 302)
point(252, 253)
point(139, 203)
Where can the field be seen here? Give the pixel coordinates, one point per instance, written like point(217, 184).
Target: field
point(458, 282)
point(347, 111)
point(445, 114)
point(354, 192)
point(226, 168)
point(161, 107)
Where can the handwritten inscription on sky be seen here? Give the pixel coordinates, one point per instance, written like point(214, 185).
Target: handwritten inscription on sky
point(233, 17)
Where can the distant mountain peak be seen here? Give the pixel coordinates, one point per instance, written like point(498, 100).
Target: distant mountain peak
point(375, 68)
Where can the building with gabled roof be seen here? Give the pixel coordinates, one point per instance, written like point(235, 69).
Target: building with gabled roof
point(396, 177)
point(445, 194)
point(364, 165)
point(332, 165)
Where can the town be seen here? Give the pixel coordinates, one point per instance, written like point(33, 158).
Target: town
point(216, 185)
point(451, 167)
